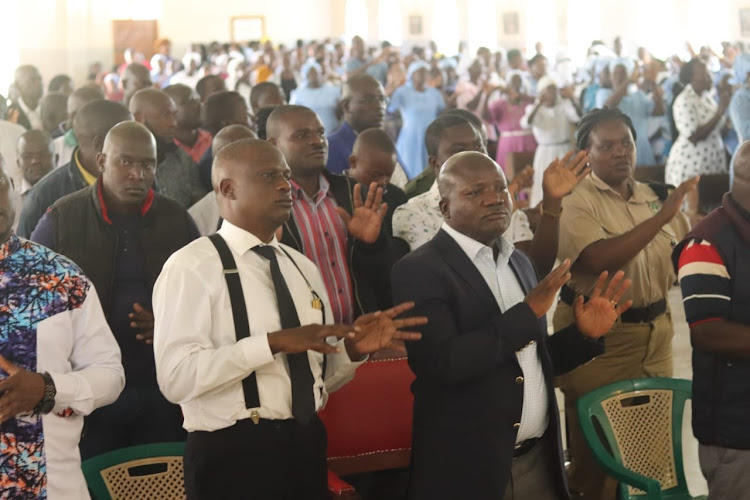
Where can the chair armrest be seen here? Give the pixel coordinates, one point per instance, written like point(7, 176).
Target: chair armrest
point(338, 489)
point(651, 486)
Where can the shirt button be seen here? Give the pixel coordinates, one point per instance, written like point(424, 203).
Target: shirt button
point(517, 425)
point(519, 380)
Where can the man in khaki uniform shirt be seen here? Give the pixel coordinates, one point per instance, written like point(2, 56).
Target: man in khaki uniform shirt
point(613, 222)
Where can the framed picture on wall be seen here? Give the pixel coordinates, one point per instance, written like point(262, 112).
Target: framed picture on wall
point(510, 23)
point(745, 22)
point(415, 25)
point(246, 28)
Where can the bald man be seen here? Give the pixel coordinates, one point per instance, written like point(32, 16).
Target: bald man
point(374, 159)
point(711, 263)
point(67, 142)
point(188, 134)
point(90, 125)
point(220, 109)
point(363, 106)
point(205, 213)
point(250, 388)
point(36, 158)
point(24, 108)
point(484, 402)
point(177, 173)
point(54, 112)
point(135, 77)
point(330, 222)
point(134, 231)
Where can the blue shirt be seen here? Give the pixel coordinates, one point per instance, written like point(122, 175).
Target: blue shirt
point(340, 145)
point(323, 100)
point(739, 112)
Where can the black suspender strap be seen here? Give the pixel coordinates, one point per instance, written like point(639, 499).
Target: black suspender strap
point(239, 313)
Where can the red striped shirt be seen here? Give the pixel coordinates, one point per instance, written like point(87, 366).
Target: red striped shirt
point(324, 241)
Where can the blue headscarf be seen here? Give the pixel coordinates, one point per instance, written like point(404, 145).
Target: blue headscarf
point(416, 66)
point(305, 69)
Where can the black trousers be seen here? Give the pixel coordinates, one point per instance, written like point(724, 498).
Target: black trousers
point(271, 460)
point(140, 415)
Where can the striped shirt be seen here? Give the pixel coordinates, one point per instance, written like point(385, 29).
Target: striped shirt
point(324, 241)
point(704, 280)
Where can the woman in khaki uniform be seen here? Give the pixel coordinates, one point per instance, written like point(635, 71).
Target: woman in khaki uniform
point(611, 222)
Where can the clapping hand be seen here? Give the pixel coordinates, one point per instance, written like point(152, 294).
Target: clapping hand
point(562, 175)
point(381, 330)
point(596, 317)
point(364, 224)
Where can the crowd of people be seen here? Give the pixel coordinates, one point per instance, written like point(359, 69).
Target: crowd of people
point(203, 249)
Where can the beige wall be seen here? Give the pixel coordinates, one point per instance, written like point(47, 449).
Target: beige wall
point(64, 36)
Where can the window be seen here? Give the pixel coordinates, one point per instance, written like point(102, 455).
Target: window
point(356, 19)
point(389, 21)
point(10, 42)
point(541, 26)
point(445, 25)
point(482, 25)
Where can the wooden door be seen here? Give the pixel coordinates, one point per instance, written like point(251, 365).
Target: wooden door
point(138, 35)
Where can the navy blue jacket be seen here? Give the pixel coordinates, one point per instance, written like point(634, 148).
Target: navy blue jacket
point(467, 394)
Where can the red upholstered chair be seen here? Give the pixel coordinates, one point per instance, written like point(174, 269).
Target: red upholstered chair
point(369, 422)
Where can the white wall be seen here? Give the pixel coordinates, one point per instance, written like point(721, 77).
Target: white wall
point(65, 36)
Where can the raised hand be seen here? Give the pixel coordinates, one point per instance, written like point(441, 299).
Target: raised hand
point(364, 224)
point(672, 204)
point(20, 391)
point(380, 330)
point(596, 317)
point(540, 299)
point(562, 175)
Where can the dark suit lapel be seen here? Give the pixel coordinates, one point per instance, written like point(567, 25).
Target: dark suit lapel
point(457, 259)
point(524, 277)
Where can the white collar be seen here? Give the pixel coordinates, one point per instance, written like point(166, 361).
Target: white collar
point(27, 110)
point(472, 247)
point(242, 241)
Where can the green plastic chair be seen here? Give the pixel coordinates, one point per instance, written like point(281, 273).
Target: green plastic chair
point(149, 471)
point(640, 420)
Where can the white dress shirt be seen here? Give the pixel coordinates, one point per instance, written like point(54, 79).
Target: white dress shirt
point(508, 292)
point(205, 214)
point(34, 115)
point(199, 362)
point(418, 220)
point(9, 135)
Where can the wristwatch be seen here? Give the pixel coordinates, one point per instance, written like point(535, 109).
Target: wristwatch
point(48, 401)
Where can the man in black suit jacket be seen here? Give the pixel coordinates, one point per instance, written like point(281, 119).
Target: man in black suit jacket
point(485, 363)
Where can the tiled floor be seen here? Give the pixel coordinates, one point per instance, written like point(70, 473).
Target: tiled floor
point(682, 369)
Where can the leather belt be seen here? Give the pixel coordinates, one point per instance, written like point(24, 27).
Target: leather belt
point(524, 447)
point(633, 315)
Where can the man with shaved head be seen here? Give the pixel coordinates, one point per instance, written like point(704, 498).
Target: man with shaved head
point(205, 213)
point(133, 231)
point(54, 112)
point(177, 173)
point(330, 222)
point(135, 77)
point(374, 159)
point(363, 106)
point(246, 343)
point(67, 142)
point(36, 159)
point(712, 262)
point(188, 134)
point(90, 125)
point(221, 109)
point(486, 350)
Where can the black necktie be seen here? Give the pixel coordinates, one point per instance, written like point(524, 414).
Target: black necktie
point(303, 398)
